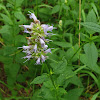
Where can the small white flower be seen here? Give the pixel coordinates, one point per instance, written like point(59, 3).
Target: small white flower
point(28, 57)
point(27, 26)
point(42, 42)
point(26, 31)
point(50, 28)
point(35, 48)
point(27, 52)
point(42, 58)
point(48, 51)
point(38, 61)
point(45, 47)
point(32, 16)
point(25, 47)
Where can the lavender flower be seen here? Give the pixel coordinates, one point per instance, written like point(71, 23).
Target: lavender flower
point(37, 43)
point(38, 61)
point(32, 16)
point(42, 43)
point(35, 48)
point(42, 58)
point(48, 51)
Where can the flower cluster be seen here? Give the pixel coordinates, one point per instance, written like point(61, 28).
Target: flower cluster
point(37, 43)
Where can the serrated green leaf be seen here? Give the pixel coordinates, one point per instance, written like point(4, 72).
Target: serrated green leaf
point(68, 22)
point(6, 19)
point(61, 66)
point(91, 25)
point(11, 71)
point(20, 17)
point(40, 79)
point(91, 54)
point(18, 3)
point(91, 17)
point(71, 51)
point(63, 44)
point(8, 50)
point(84, 60)
point(55, 9)
point(20, 40)
point(45, 11)
point(74, 94)
point(95, 9)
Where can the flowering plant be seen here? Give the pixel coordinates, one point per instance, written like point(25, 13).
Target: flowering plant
point(37, 43)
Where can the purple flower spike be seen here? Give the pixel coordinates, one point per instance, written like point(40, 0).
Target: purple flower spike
point(38, 61)
point(37, 41)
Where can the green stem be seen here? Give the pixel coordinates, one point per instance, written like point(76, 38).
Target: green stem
point(76, 52)
point(60, 10)
point(52, 82)
point(79, 26)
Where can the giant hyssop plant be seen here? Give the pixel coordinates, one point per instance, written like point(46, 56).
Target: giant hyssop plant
point(66, 68)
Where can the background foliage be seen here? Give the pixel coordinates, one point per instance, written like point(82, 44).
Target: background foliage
point(61, 77)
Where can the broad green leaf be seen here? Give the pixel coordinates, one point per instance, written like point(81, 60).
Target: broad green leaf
point(40, 79)
point(91, 25)
point(66, 74)
point(8, 50)
point(95, 68)
point(62, 91)
point(20, 40)
point(60, 67)
point(70, 78)
point(20, 17)
point(6, 19)
point(19, 57)
point(45, 11)
point(48, 94)
point(74, 94)
point(20, 78)
point(91, 54)
point(71, 51)
point(7, 34)
point(55, 9)
point(5, 59)
point(11, 71)
point(18, 2)
point(63, 44)
point(48, 84)
point(5, 29)
point(68, 22)
point(95, 9)
point(91, 17)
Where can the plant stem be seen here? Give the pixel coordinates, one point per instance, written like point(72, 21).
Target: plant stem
point(79, 26)
point(52, 82)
